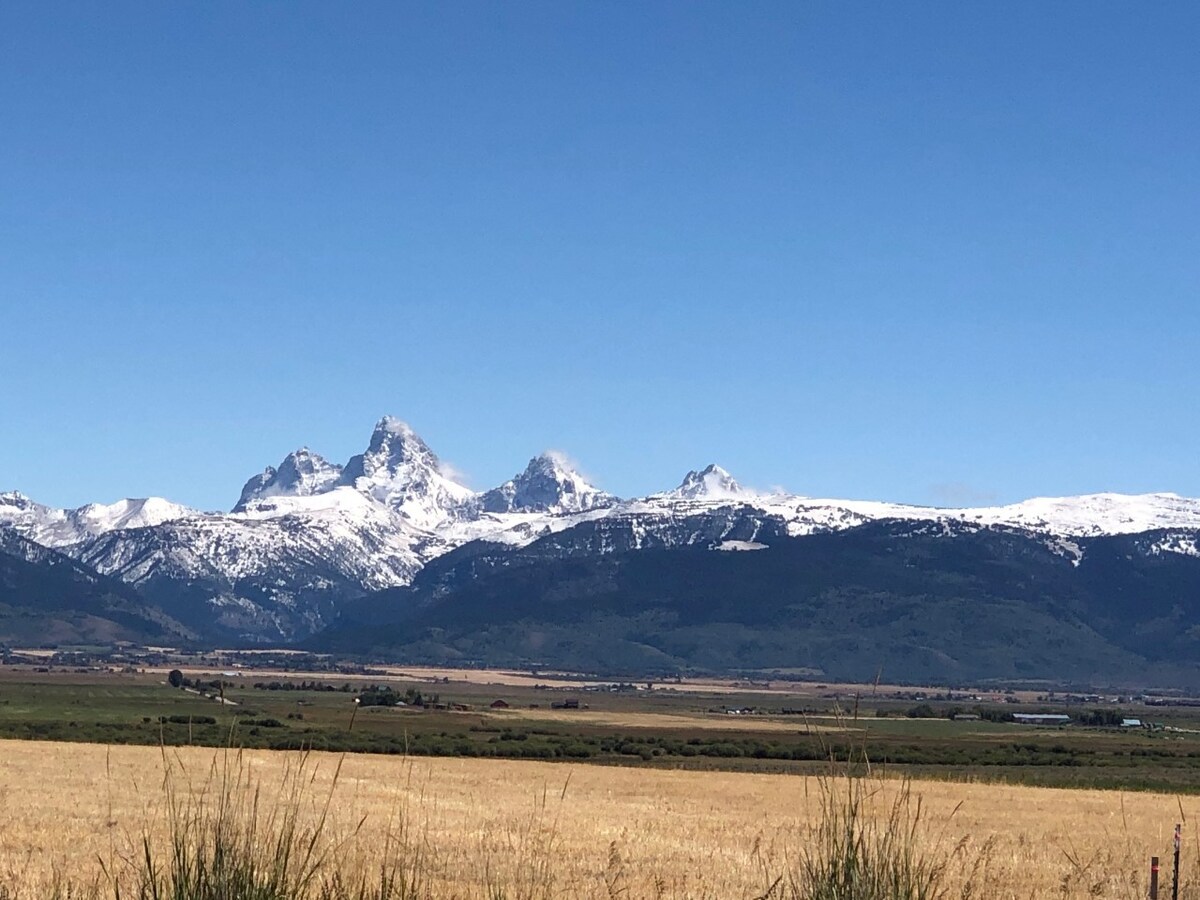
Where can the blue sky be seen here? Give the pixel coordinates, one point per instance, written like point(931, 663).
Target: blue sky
point(932, 252)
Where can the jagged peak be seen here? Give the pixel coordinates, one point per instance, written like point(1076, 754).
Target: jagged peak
point(549, 483)
point(302, 473)
point(394, 425)
point(400, 470)
point(554, 461)
point(710, 483)
point(393, 442)
point(558, 457)
point(302, 455)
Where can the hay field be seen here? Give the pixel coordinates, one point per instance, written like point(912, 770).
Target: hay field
point(553, 830)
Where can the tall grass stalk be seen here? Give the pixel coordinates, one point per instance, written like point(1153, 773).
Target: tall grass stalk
point(856, 853)
point(231, 838)
point(864, 846)
point(532, 852)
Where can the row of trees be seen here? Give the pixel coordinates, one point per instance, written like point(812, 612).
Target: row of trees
point(302, 686)
point(376, 695)
point(177, 679)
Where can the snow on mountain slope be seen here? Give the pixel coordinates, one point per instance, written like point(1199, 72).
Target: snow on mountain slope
point(59, 527)
point(303, 535)
point(1090, 515)
point(1183, 544)
point(275, 571)
point(360, 541)
point(400, 471)
point(710, 483)
point(309, 532)
point(301, 473)
point(99, 518)
point(713, 489)
point(548, 485)
point(1093, 514)
point(39, 523)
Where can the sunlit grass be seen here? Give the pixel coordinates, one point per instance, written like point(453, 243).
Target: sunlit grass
point(99, 823)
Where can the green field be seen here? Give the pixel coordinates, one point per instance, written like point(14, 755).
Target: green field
point(669, 727)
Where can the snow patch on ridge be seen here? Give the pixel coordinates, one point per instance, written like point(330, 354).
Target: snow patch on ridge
point(1182, 544)
point(52, 527)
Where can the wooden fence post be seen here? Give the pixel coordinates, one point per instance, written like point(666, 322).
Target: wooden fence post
point(1175, 877)
point(1154, 878)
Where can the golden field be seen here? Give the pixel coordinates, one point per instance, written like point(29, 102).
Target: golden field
point(557, 830)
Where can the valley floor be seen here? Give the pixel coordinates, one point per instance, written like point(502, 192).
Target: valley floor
point(552, 830)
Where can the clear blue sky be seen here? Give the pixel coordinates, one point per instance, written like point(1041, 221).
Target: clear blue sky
point(933, 252)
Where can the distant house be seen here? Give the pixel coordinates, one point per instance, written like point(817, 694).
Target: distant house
point(499, 704)
point(1131, 723)
point(966, 717)
point(1041, 719)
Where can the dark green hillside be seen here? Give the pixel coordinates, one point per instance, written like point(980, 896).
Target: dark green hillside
point(48, 598)
point(919, 602)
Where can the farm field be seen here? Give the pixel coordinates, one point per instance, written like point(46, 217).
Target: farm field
point(669, 728)
point(218, 660)
point(664, 729)
point(544, 830)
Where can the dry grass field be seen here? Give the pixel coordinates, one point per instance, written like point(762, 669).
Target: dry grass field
point(485, 828)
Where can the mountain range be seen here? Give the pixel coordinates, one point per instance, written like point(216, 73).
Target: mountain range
point(389, 552)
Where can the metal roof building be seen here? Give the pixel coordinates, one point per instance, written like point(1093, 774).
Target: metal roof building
point(1041, 718)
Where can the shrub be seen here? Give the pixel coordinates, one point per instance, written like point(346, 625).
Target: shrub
point(231, 843)
point(924, 711)
point(854, 853)
point(187, 720)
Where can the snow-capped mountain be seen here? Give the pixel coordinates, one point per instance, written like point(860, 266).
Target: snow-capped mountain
point(710, 483)
point(400, 471)
point(301, 474)
point(301, 537)
point(548, 485)
point(275, 571)
point(308, 533)
point(1089, 515)
point(1093, 514)
point(52, 527)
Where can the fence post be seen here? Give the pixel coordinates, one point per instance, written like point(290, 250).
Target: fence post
point(1154, 878)
point(1175, 877)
